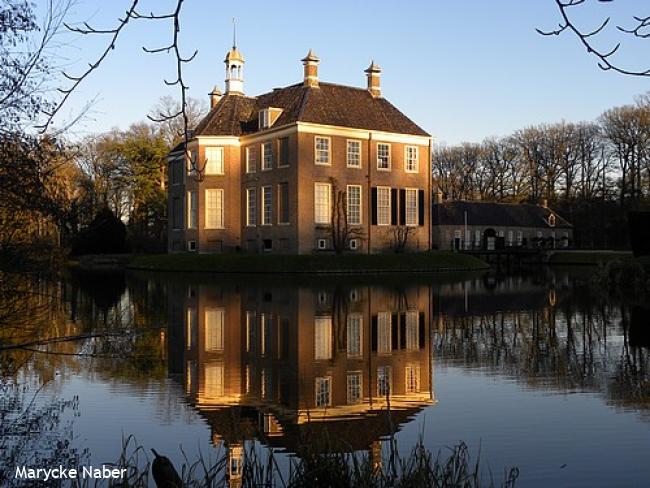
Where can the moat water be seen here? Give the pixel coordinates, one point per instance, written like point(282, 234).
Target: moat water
point(534, 370)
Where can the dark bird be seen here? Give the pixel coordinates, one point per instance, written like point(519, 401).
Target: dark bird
point(164, 473)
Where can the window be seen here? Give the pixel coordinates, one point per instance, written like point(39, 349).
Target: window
point(250, 330)
point(251, 160)
point(214, 208)
point(322, 203)
point(477, 238)
point(354, 244)
point(190, 332)
point(175, 172)
point(551, 220)
point(267, 156)
point(411, 159)
point(191, 246)
point(354, 326)
point(322, 338)
point(177, 212)
point(354, 387)
point(384, 333)
point(214, 161)
point(322, 154)
point(283, 203)
point(214, 320)
point(264, 334)
point(383, 205)
point(213, 374)
point(321, 244)
point(411, 202)
point(383, 380)
point(354, 154)
point(267, 245)
point(264, 119)
point(251, 207)
point(412, 331)
point(283, 152)
point(520, 238)
point(354, 204)
point(383, 156)
point(412, 376)
point(267, 205)
point(192, 209)
point(323, 391)
point(511, 237)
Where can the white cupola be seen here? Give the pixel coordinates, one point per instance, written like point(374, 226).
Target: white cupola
point(234, 72)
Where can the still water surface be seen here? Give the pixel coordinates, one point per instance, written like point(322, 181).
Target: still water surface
point(537, 371)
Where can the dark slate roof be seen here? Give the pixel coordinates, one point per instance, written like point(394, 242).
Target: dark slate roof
point(329, 104)
point(497, 214)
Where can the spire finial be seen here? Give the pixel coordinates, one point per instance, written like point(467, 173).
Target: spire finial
point(234, 33)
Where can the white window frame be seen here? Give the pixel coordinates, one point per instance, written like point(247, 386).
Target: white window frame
point(251, 159)
point(264, 119)
point(354, 387)
point(267, 155)
point(384, 381)
point(408, 159)
point(347, 153)
point(384, 333)
point(318, 152)
point(192, 209)
point(216, 167)
point(319, 218)
point(219, 215)
point(354, 331)
point(388, 207)
point(214, 324)
point(520, 238)
point(413, 211)
point(379, 160)
point(267, 207)
point(322, 337)
point(412, 330)
point(323, 391)
point(412, 378)
point(251, 207)
point(358, 206)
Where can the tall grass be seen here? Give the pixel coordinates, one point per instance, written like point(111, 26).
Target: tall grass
point(452, 467)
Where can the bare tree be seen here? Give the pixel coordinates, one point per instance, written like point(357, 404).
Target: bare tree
point(640, 29)
point(340, 228)
point(173, 127)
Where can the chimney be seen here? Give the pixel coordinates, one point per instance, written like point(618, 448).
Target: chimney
point(215, 96)
point(372, 73)
point(310, 62)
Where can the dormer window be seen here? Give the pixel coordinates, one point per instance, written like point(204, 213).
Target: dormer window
point(268, 116)
point(265, 119)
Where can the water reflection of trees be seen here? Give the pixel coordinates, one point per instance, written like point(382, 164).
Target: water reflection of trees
point(562, 339)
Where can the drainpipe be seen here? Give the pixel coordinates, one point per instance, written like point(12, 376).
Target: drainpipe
point(369, 200)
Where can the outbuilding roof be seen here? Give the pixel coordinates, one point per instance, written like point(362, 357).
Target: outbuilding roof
point(496, 214)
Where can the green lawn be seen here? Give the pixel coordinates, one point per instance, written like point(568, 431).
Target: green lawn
point(592, 258)
point(360, 263)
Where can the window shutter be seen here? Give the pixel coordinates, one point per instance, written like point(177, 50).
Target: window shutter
point(421, 207)
point(402, 331)
point(373, 333)
point(402, 206)
point(394, 331)
point(393, 206)
point(421, 329)
point(373, 204)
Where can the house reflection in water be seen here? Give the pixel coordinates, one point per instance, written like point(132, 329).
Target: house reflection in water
point(293, 366)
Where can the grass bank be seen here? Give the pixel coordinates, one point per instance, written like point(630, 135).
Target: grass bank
point(316, 264)
point(588, 257)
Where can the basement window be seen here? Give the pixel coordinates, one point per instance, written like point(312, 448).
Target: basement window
point(191, 246)
point(322, 244)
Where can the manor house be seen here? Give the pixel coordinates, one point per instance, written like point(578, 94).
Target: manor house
point(311, 167)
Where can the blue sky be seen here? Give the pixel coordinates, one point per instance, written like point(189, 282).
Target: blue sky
point(463, 70)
